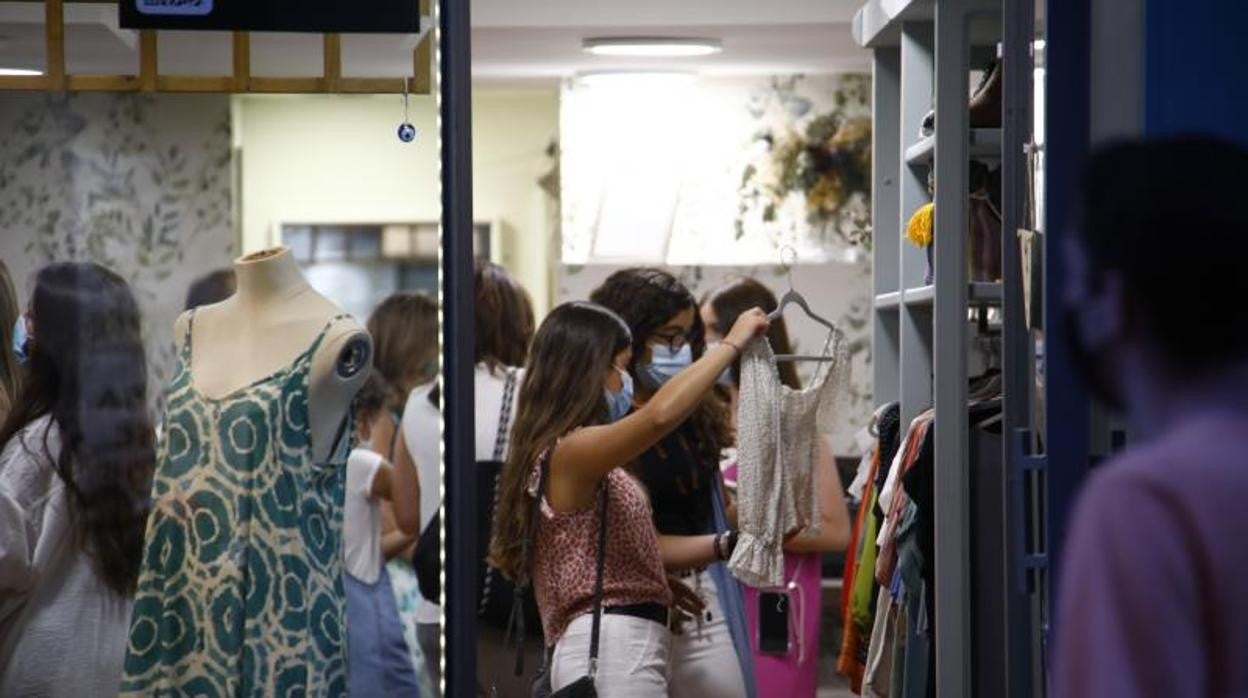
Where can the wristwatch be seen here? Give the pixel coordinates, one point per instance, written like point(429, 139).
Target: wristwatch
point(725, 543)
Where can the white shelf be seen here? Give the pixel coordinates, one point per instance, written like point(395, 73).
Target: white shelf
point(878, 22)
point(920, 295)
point(978, 293)
point(985, 144)
point(888, 301)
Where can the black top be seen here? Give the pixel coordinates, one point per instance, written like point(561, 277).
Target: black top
point(680, 488)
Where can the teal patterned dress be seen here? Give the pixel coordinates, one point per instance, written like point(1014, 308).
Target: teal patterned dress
point(240, 592)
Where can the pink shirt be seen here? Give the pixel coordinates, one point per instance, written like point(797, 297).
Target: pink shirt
point(1154, 595)
point(565, 559)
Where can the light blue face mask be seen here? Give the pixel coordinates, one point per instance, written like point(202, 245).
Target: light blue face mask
point(665, 363)
point(725, 378)
point(619, 402)
point(21, 340)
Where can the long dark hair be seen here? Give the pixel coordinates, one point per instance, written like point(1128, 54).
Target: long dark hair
point(88, 372)
point(404, 328)
point(647, 299)
point(562, 390)
point(503, 317)
point(213, 287)
point(741, 295)
point(502, 320)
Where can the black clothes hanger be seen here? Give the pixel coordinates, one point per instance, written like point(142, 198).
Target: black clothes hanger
point(792, 297)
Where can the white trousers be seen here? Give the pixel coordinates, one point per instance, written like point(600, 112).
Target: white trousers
point(633, 656)
point(704, 660)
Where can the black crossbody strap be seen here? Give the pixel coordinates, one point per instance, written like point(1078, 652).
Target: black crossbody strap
point(504, 415)
point(500, 445)
point(602, 564)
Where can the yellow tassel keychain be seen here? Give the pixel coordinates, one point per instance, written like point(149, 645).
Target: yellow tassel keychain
point(919, 229)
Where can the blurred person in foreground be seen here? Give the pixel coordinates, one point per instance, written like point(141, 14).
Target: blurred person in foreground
point(1152, 600)
point(13, 342)
point(75, 476)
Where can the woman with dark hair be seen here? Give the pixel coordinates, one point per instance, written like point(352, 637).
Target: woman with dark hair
point(404, 328)
point(794, 673)
point(681, 475)
point(503, 317)
point(75, 474)
point(213, 287)
point(576, 430)
point(12, 342)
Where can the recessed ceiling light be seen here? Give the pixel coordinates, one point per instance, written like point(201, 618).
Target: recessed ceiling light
point(19, 71)
point(653, 47)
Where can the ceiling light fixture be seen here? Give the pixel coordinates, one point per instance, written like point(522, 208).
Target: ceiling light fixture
point(19, 71)
point(651, 47)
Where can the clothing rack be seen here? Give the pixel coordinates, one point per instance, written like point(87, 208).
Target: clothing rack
point(922, 333)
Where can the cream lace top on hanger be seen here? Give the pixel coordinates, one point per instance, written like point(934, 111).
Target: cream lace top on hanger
point(778, 432)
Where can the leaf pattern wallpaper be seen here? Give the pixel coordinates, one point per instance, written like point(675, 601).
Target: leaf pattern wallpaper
point(138, 183)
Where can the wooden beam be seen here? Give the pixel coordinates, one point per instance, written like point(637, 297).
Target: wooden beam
point(371, 85)
point(25, 83)
point(287, 85)
point(148, 60)
point(422, 56)
point(242, 61)
point(422, 66)
point(54, 33)
point(194, 83)
point(103, 83)
point(332, 73)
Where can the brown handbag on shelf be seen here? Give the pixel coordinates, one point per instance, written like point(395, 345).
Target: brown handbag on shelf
point(985, 238)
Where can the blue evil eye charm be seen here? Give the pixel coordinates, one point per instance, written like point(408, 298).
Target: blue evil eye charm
point(407, 132)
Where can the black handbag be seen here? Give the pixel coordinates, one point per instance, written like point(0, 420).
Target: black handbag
point(583, 687)
point(494, 592)
point(427, 560)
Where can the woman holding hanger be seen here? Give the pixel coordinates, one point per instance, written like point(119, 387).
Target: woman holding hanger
point(681, 474)
point(795, 672)
point(576, 430)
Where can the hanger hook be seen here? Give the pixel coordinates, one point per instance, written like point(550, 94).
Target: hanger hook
point(788, 266)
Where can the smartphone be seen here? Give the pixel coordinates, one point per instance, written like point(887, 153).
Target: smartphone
point(773, 622)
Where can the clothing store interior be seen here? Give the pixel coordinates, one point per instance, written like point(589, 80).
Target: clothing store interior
point(575, 348)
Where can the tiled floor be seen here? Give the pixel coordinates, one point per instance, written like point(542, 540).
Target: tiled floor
point(831, 684)
point(830, 692)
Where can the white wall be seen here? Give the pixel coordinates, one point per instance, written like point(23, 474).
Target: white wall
point(332, 159)
point(336, 159)
point(511, 130)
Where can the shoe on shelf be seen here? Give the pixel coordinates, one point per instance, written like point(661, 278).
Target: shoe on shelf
point(985, 106)
point(985, 109)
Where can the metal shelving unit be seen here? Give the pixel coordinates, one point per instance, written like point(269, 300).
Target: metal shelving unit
point(921, 332)
point(983, 144)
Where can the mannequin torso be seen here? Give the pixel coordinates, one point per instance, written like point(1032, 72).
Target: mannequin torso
point(273, 317)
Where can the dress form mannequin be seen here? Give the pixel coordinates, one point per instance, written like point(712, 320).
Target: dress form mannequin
point(274, 315)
